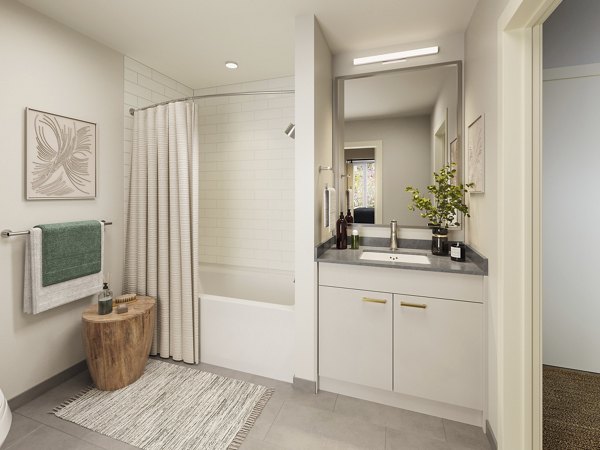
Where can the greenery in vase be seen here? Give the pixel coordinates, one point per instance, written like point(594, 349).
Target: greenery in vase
point(444, 199)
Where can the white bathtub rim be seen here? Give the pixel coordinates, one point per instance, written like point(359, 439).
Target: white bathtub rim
point(245, 302)
point(230, 268)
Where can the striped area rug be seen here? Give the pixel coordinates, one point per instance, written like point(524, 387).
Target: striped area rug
point(172, 407)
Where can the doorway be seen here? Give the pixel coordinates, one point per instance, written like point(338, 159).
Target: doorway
point(363, 162)
point(569, 190)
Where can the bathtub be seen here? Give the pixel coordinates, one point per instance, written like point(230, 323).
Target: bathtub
point(247, 320)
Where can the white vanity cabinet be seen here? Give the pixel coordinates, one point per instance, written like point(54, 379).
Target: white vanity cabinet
point(408, 338)
point(438, 349)
point(355, 336)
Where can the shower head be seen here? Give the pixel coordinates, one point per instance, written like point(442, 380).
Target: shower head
point(291, 130)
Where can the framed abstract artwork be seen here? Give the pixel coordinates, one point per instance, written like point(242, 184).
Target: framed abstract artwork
point(476, 155)
point(60, 157)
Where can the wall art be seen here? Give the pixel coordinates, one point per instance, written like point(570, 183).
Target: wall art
point(476, 155)
point(61, 157)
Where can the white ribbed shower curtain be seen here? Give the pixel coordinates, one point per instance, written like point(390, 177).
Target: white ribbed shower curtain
point(161, 247)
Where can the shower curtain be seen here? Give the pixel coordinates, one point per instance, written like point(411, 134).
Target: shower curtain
point(161, 247)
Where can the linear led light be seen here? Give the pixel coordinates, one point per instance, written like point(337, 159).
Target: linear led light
point(397, 55)
point(395, 61)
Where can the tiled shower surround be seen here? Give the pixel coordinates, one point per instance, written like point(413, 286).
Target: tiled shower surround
point(247, 177)
point(246, 166)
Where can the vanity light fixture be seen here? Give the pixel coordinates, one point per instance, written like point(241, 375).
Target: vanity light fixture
point(395, 61)
point(389, 57)
point(231, 65)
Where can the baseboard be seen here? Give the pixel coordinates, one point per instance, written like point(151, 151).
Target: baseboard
point(489, 432)
point(45, 386)
point(403, 401)
point(305, 385)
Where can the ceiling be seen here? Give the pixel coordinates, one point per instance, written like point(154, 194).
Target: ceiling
point(396, 94)
point(190, 40)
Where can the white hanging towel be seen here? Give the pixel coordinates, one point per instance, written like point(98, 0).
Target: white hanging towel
point(38, 298)
point(329, 208)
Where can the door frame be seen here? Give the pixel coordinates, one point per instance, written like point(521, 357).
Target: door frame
point(519, 228)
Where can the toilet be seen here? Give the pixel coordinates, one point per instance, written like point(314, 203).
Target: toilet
point(5, 418)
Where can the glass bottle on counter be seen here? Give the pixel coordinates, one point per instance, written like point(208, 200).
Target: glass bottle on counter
point(341, 233)
point(354, 240)
point(349, 218)
point(105, 301)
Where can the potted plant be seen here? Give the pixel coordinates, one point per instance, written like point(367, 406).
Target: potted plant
point(441, 205)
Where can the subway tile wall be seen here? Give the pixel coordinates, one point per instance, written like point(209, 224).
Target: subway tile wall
point(246, 166)
point(144, 86)
point(247, 176)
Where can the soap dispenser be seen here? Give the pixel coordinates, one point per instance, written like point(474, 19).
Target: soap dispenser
point(105, 300)
point(341, 233)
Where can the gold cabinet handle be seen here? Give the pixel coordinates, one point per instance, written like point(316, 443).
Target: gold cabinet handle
point(374, 300)
point(414, 305)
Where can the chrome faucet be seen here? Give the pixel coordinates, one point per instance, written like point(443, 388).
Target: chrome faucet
point(393, 235)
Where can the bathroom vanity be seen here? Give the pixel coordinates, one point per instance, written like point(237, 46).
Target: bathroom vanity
point(405, 334)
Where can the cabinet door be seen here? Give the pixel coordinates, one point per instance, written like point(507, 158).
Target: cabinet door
point(438, 350)
point(355, 336)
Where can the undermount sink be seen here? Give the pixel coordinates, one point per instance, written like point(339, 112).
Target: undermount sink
point(395, 257)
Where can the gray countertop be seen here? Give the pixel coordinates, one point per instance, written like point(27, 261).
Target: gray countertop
point(472, 266)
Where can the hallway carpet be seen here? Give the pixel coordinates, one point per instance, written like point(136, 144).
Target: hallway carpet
point(571, 409)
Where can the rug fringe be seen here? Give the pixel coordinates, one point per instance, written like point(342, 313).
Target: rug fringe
point(251, 420)
point(66, 403)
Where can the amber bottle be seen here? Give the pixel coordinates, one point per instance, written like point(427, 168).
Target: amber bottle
point(349, 218)
point(341, 237)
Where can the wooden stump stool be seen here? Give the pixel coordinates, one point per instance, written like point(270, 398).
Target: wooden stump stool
point(117, 345)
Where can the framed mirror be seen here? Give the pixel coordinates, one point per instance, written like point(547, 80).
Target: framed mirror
point(394, 129)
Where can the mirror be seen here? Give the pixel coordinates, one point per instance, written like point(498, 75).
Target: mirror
point(394, 129)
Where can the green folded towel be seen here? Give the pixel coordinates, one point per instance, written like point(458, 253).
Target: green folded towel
point(70, 250)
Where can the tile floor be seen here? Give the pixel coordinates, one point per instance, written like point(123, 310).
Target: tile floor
point(291, 420)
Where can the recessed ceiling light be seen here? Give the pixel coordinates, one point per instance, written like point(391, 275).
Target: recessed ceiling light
point(396, 56)
point(231, 65)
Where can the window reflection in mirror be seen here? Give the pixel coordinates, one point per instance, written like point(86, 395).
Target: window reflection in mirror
point(397, 129)
point(363, 182)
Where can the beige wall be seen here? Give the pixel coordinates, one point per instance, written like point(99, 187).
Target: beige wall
point(481, 97)
point(49, 67)
point(446, 106)
point(323, 128)
point(572, 34)
point(406, 160)
point(313, 113)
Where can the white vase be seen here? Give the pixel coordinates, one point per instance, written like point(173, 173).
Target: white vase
point(5, 418)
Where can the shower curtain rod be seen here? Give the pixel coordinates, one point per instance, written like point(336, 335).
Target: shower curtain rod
point(226, 94)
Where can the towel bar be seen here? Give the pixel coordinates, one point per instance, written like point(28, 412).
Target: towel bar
point(9, 233)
